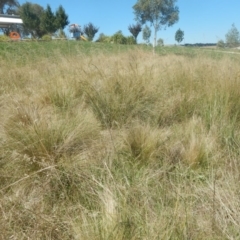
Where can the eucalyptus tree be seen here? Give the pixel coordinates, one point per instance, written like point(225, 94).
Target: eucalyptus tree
point(160, 13)
point(146, 34)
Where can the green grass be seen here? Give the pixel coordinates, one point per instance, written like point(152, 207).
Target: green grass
point(34, 50)
point(22, 52)
point(104, 141)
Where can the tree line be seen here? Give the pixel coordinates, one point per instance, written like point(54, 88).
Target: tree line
point(159, 14)
point(38, 21)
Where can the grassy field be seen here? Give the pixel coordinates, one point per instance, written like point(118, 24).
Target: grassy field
point(102, 141)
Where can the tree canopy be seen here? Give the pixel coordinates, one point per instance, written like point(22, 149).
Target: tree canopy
point(61, 18)
point(233, 37)
point(48, 21)
point(39, 21)
point(8, 6)
point(31, 15)
point(146, 33)
point(179, 35)
point(160, 42)
point(135, 30)
point(220, 44)
point(119, 38)
point(90, 30)
point(160, 13)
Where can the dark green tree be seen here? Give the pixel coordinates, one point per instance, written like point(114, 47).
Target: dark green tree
point(179, 35)
point(90, 30)
point(31, 15)
point(48, 21)
point(61, 18)
point(135, 30)
point(232, 37)
point(146, 33)
point(160, 13)
point(38, 22)
point(8, 6)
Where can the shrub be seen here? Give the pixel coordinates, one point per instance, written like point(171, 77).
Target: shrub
point(61, 34)
point(220, 44)
point(46, 38)
point(120, 99)
point(119, 38)
point(160, 42)
point(103, 38)
point(142, 143)
point(131, 40)
point(4, 38)
point(43, 137)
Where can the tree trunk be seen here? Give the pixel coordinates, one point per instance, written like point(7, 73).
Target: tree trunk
point(155, 39)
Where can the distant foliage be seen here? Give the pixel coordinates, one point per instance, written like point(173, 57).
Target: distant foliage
point(8, 6)
point(61, 34)
point(4, 38)
point(159, 13)
point(46, 38)
point(220, 44)
point(119, 38)
point(31, 15)
point(179, 35)
point(135, 30)
point(48, 21)
point(233, 37)
point(160, 42)
point(38, 21)
point(200, 44)
point(103, 38)
point(146, 34)
point(131, 40)
point(61, 18)
point(90, 30)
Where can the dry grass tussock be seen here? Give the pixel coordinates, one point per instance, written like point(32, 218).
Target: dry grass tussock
point(125, 146)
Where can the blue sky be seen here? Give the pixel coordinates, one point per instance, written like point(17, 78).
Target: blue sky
point(204, 21)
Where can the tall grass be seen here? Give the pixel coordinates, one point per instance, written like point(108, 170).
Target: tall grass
point(116, 144)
